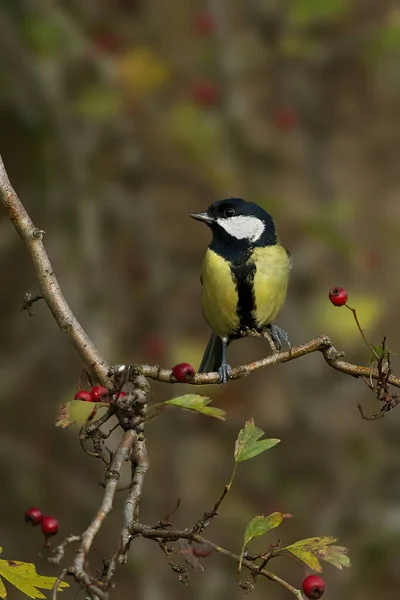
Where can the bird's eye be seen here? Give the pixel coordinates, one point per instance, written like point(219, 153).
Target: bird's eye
point(229, 212)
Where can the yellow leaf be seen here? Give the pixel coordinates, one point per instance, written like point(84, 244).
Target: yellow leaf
point(141, 71)
point(310, 549)
point(78, 412)
point(24, 577)
point(3, 591)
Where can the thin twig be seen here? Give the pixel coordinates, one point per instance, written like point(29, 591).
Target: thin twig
point(120, 456)
point(168, 535)
point(58, 551)
point(57, 582)
point(140, 464)
point(353, 310)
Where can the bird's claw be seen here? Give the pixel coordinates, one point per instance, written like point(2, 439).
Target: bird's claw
point(278, 336)
point(224, 373)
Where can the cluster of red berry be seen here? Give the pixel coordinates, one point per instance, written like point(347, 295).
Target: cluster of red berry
point(98, 393)
point(49, 524)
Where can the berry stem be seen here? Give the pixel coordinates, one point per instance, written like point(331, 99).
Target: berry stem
point(353, 310)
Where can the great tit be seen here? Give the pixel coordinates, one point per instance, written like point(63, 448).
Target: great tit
point(244, 278)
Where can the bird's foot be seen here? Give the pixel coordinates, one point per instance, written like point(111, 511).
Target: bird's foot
point(224, 373)
point(278, 336)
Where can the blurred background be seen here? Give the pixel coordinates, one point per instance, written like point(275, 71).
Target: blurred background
point(118, 118)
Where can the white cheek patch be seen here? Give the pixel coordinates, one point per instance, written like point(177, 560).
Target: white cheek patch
point(243, 227)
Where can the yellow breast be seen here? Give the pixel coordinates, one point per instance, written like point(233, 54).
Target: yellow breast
point(270, 282)
point(219, 295)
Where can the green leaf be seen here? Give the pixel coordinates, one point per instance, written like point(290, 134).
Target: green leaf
point(380, 352)
point(78, 412)
point(259, 526)
point(24, 577)
point(196, 403)
point(248, 443)
point(312, 549)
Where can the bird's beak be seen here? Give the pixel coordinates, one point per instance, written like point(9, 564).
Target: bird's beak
point(202, 216)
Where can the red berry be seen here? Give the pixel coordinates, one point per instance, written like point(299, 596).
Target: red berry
point(206, 94)
point(83, 395)
point(49, 525)
point(33, 516)
point(98, 392)
point(338, 296)
point(204, 24)
point(183, 372)
point(286, 119)
point(313, 586)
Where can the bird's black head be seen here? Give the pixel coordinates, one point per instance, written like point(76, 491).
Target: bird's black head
point(235, 222)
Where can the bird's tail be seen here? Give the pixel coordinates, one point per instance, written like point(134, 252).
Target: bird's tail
point(212, 356)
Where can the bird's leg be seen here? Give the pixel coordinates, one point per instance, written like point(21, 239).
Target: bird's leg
point(225, 370)
point(278, 336)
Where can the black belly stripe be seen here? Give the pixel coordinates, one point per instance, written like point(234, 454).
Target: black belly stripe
point(244, 278)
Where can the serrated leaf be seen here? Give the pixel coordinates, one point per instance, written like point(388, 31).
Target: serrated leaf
point(25, 578)
point(78, 412)
point(248, 443)
point(196, 403)
point(259, 526)
point(312, 549)
point(336, 556)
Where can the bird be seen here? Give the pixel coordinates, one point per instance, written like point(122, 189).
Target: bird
point(244, 278)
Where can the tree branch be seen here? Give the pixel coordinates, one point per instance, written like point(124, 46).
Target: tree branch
point(48, 284)
point(67, 322)
point(321, 344)
point(121, 455)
